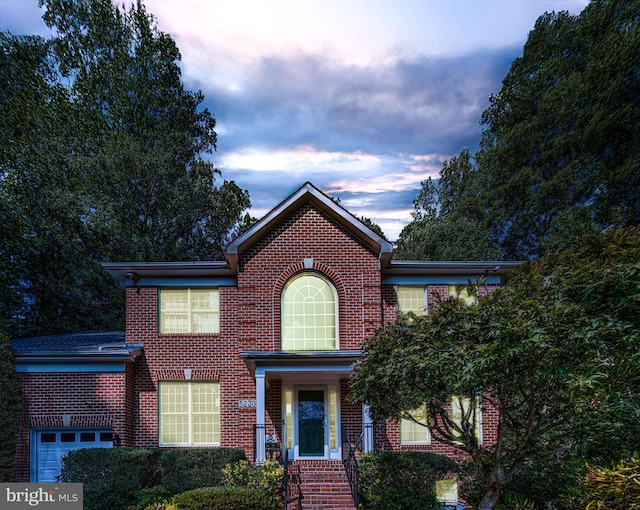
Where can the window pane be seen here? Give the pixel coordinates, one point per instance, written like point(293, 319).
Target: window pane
point(463, 293)
point(447, 490)
point(189, 311)
point(308, 315)
point(68, 437)
point(87, 437)
point(411, 299)
point(189, 413)
point(461, 406)
point(412, 432)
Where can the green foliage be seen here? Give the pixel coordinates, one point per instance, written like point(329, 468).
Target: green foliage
point(111, 477)
point(191, 468)
point(555, 350)
point(11, 398)
point(423, 240)
point(450, 210)
point(151, 497)
point(617, 488)
point(103, 157)
point(560, 150)
point(226, 498)
point(402, 480)
point(267, 477)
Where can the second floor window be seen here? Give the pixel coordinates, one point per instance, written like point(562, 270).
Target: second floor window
point(189, 311)
point(464, 293)
point(468, 414)
point(411, 298)
point(309, 314)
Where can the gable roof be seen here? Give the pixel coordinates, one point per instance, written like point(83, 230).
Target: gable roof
point(308, 193)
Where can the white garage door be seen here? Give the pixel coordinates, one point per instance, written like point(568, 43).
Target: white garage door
point(51, 445)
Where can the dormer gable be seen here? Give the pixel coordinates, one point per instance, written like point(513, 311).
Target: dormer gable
point(308, 193)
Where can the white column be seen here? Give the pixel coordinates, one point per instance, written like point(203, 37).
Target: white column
point(261, 454)
point(367, 430)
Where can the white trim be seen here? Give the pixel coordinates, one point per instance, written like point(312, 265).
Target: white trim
point(261, 449)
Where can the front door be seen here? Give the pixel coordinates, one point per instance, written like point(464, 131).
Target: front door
point(311, 423)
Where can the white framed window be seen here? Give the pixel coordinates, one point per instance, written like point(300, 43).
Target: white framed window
point(464, 293)
point(415, 428)
point(189, 413)
point(189, 311)
point(447, 491)
point(412, 298)
point(308, 314)
point(463, 407)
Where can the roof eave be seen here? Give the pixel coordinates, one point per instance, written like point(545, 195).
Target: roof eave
point(492, 267)
point(130, 273)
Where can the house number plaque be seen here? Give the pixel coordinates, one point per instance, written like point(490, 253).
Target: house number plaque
point(247, 403)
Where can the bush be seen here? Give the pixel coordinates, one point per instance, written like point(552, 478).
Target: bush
point(151, 498)
point(226, 498)
point(402, 480)
point(267, 477)
point(111, 476)
point(613, 489)
point(192, 468)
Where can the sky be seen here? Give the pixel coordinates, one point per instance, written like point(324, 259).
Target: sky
point(363, 98)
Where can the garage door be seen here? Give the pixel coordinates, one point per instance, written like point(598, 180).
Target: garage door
point(51, 445)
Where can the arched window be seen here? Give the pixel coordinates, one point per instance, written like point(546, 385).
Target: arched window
point(309, 314)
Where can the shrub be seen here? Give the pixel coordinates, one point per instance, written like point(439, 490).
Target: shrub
point(613, 489)
point(151, 498)
point(191, 468)
point(226, 498)
point(111, 476)
point(402, 480)
point(267, 477)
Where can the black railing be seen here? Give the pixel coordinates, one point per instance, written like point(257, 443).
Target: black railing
point(291, 483)
point(350, 461)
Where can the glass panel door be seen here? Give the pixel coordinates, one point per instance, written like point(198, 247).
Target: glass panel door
point(311, 416)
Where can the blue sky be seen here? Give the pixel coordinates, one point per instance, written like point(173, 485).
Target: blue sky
point(364, 98)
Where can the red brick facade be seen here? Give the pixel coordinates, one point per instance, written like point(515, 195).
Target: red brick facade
point(305, 234)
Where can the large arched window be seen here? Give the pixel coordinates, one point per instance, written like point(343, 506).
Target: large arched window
point(309, 314)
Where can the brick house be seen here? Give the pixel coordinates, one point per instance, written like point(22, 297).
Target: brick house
point(253, 352)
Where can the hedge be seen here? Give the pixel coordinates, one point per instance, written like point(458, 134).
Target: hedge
point(192, 468)
point(402, 480)
point(226, 498)
point(111, 476)
point(114, 477)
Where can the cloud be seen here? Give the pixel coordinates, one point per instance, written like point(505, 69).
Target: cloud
point(348, 128)
point(416, 106)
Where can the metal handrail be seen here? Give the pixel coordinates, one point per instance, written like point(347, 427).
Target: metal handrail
point(350, 463)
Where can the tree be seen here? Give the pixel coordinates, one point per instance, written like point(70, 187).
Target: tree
point(447, 217)
point(559, 153)
point(103, 158)
point(444, 239)
point(555, 352)
point(11, 398)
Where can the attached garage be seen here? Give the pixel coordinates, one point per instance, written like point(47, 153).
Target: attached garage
point(77, 393)
point(49, 446)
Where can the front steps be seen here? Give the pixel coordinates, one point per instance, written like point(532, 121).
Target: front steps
point(323, 484)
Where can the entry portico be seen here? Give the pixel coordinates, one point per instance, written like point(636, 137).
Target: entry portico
point(311, 402)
